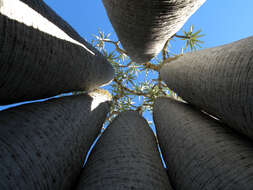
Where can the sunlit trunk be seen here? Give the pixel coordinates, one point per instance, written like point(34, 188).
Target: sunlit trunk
point(144, 26)
point(43, 145)
point(200, 152)
point(125, 157)
point(42, 56)
point(218, 80)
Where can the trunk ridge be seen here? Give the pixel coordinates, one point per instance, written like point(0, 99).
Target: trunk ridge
point(217, 80)
point(43, 145)
point(42, 56)
point(144, 26)
point(125, 157)
point(200, 152)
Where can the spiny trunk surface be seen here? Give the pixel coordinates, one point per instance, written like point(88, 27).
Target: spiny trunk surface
point(218, 80)
point(125, 157)
point(43, 145)
point(200, 152)
point(144, 26)
point(42, 56)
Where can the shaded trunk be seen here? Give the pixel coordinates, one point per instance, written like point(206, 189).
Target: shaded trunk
point(125, 157)
point(42, 57)
point(43, 145)
point(218, 80)
point(144, 26)
point(200, 152)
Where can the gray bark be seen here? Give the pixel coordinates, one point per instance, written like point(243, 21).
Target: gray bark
point(125, 157)
point(36, 65)
point(144, 26)
point(43, 145)
point(200, 152)
point(41, 7)
point(218, 80)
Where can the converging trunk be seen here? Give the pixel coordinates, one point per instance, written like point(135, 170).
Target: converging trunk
point(43, 145)
point(44, 10)
point(43, 57)
point(144, 26)
point(125, 157)
point(218, 80)
point(200, 152)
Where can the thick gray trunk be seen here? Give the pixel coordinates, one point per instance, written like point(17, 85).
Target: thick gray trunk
point(42, 57)
point(42, 8)
point(125, 157)
point(43, 145)
point(144, 26)
point(200, 152)
point(218, 80)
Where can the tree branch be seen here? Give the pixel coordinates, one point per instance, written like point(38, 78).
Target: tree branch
point(131, 91)
point(116, 44)
point(124, 66)
point(149, 65)
point(180, 36)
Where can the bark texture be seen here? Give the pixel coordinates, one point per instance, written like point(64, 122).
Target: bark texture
point(42, 8)
point(199, 152)
point(144, 26)
point(36, 65)
point(125, 157)
point(43, 145)
point(218, 80)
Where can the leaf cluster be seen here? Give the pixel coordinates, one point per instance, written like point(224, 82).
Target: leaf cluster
point(192, 39)
point(136, 86)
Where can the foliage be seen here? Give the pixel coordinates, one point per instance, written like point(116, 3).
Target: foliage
point(191, 38)
point(135, 85)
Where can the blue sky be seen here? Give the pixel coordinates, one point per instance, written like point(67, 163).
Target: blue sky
point(222, 21)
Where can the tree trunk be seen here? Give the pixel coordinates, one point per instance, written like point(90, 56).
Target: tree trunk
point(43, 9)
point(43, 145)
point(144, 26)
point(40, 59)
point(200, 152)
point(218, 80)
point(125, 157)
